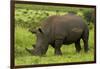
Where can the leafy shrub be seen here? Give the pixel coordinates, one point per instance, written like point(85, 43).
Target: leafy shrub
point(89, 15)
point(91, 26)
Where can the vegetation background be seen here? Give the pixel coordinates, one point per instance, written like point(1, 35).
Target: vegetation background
point(30, 16)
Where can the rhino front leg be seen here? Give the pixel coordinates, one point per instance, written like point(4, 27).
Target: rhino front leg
point(58, 44)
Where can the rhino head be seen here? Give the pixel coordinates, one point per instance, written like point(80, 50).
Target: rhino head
point(41, 43)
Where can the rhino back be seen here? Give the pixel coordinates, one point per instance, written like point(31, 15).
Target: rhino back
point(61, 27)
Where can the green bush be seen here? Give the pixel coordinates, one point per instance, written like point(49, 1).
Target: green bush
point(89, 15)
point(91, 26)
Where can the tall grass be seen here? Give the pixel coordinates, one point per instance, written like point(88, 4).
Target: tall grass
point(23, 39)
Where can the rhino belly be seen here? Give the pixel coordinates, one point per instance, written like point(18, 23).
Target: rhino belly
point(73, 36)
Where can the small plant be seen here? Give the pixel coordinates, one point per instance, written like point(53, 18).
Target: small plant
point(89, 15)
point(91, 26)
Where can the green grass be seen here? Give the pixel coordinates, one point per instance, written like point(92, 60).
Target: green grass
point(24, 39)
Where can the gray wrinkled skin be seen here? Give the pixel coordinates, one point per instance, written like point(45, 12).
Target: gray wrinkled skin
point(59, 30)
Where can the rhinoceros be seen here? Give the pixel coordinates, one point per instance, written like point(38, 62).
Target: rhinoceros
point(57, 30)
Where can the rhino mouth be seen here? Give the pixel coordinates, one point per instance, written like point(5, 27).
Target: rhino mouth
point(29, 50)
point(33, 53)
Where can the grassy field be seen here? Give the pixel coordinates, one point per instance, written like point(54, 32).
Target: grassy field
point(24, 39)
point(30, 16)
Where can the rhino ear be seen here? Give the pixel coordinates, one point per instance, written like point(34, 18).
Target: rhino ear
point(40, 30)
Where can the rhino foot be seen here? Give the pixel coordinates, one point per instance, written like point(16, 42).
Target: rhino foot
point(58, 53)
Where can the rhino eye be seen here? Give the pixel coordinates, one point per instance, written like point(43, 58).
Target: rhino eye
point(40, 30)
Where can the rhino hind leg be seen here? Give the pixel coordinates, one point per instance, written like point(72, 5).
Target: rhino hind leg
point(57, 46)
point(85, 37)
point(78, 46)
